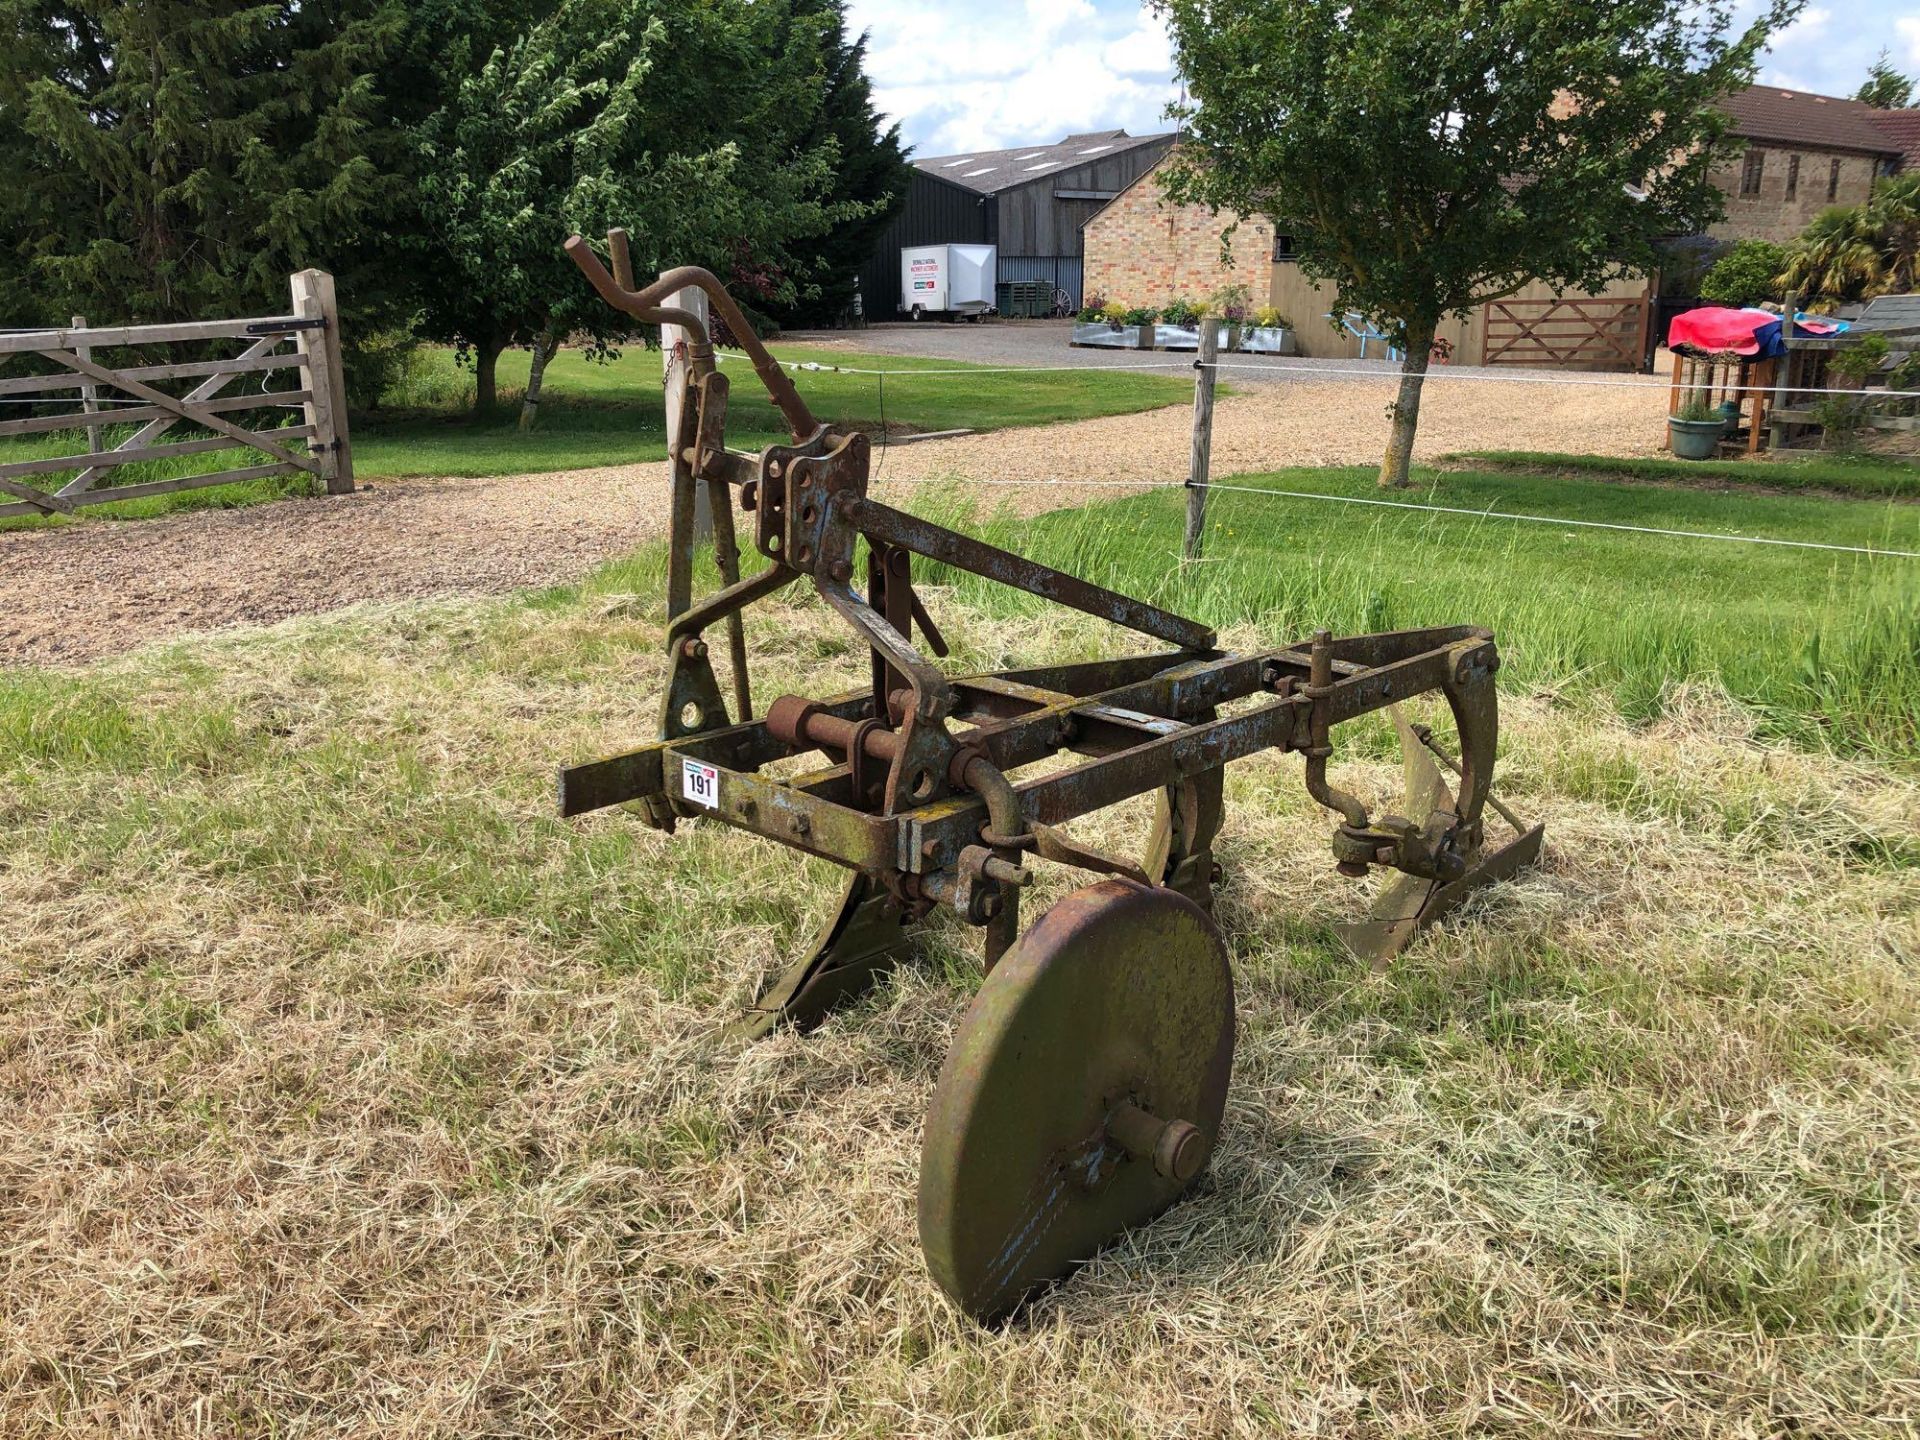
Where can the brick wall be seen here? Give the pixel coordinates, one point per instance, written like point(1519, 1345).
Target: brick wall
point(1770, 214)
point(1143, 250)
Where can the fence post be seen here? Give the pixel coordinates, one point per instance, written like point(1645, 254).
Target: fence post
point(1202, 454)
point(693, 300)
point(313, 299)
point(1783, 377)
point(89, 392)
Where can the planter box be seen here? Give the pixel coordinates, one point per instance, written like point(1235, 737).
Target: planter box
point(1269, 340)
point(1695, 439)
point(1112, 337)
point(1187, 337)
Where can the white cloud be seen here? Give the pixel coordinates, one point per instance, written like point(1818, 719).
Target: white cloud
point(994, 74)
point(1147, 51)
point(1907, 27)
point(1809, 27)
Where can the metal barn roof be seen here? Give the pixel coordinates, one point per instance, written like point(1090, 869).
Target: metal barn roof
point(991, 171)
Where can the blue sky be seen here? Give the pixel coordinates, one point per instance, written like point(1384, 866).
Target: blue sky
point(965, 75)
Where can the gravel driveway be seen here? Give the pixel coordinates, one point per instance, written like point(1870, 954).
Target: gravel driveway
point(95, 588)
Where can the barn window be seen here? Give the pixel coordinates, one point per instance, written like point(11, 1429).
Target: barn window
point(1833, 181)
point(1793, 176)
point(1751, 170)
point(1283, 249)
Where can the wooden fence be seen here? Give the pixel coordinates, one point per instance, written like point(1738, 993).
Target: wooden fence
point(318, 446)
point(1578, 332)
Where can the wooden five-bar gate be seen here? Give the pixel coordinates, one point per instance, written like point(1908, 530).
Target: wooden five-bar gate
point(1581, 332)
point(131, 395)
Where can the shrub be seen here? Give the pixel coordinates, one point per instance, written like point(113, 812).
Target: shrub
point(1114, 313)
point(1139, 315)
point(1747, 274)
point(1231, 303)
point(1182, 313)
point(1270, 317)
point(1094, 310)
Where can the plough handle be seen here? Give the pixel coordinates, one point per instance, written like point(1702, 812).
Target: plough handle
point(648, 308)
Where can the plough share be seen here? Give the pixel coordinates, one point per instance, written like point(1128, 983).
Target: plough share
point(1085, 1087)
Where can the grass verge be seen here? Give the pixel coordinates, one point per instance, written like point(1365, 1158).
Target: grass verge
point(353, 1091)
point(1823, 646)
point(1841, 474)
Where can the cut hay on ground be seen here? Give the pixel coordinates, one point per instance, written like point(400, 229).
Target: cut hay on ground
point(351, 1093)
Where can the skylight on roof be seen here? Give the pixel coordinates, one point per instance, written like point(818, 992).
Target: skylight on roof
point(1029, 155)
point(949, 164)
point(1043, 165)
point(983, 170)
point(1095, 149)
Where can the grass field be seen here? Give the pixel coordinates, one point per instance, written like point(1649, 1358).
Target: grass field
point(351, 1092)
point(1841, 474)
point(1823, 646)
point(594, 414)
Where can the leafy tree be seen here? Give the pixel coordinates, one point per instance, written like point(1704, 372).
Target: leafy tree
point(180, 157)
point(1746, 274)
point(872, 172)
point(1429, 157)
point(1894, 212)
point(1837, 258)
point(1885, 87)
point(666, 118)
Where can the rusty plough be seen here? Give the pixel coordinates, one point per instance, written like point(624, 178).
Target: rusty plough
point(1085, 1088)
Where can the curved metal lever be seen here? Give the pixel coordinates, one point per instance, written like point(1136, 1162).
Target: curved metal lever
point(646, 306)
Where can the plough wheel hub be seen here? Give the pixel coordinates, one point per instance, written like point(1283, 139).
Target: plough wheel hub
point(1082, 1095)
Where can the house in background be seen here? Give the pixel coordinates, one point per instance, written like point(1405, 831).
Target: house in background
point(1803, 153)
point(1142, 249)
point(1030, 203)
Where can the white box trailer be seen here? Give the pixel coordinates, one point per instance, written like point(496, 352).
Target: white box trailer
point(947, 280)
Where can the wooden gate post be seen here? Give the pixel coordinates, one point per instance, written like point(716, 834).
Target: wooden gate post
point(326, 410)
point(1202, 454)
point(694, 301)
point(89, 392)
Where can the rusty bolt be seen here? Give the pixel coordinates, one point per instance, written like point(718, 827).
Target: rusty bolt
point(842, 571)
point(990, 906)
point(694, 648)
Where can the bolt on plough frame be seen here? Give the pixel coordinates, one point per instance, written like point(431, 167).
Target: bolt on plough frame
point(1085, 1087)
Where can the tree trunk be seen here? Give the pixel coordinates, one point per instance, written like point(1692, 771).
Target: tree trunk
point(486, 379)
point(544, 344)
point(1396, 468)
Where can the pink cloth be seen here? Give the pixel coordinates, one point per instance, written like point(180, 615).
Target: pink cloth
point(1715, 329)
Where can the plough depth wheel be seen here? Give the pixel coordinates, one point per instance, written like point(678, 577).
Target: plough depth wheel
point(1082, 1095)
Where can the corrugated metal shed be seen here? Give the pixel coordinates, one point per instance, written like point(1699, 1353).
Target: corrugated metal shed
point(1030, 202)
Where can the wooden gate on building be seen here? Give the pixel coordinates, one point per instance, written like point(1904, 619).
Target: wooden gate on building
point(1580, 332)
point(129, 393)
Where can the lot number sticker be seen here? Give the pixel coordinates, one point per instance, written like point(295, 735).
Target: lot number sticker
point(700, 783)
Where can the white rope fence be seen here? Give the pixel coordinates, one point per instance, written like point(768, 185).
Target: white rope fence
point(1348, 372)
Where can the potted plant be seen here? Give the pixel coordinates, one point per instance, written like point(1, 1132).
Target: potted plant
point(1695, 430)
point(1233, 304)
point(1098, 323)
point(1271, 333)
point(1178, 327)
point(1139, 323)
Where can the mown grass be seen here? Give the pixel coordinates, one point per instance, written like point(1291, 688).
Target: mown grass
point(353, 1090)
point(610, 414)
point(1824, 646)
point(1843, 474)
point(594, 414)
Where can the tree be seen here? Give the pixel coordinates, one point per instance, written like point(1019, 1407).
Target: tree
point(668, 119)
point(1748, 273)
point(1430, 157)
point(1837, 258)
point(872, 172)
point(180, 157)
point(1885, 87)
point(1894, 212)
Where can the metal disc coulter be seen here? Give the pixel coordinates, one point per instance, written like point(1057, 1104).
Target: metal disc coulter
point(1085, 1087)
